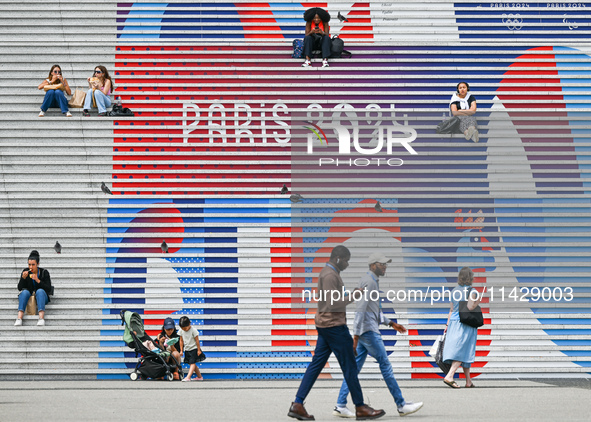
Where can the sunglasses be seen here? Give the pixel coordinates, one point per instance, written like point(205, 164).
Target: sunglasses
point(98, 71)
point(57, 72)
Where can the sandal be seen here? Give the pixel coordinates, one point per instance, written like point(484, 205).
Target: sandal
point(471, 386)
point(452, 384)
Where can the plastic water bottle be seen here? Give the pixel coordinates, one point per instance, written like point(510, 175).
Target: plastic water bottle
point(118, 102)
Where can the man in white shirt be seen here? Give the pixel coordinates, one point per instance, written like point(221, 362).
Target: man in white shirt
point(367, 338)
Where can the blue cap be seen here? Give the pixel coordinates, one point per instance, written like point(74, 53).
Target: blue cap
point(168, 323)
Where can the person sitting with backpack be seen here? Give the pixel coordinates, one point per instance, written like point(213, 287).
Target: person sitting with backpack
point(317, 36)
point(463, 106)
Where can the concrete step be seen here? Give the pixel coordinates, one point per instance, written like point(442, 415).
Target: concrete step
point(82, 338)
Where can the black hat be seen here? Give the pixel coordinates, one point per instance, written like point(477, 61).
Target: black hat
point(168, 323)
point(310, 13)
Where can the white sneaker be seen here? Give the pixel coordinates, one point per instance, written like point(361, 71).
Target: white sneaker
point(307, 63)
point(18, 322)
point(41, 323)
point(475, 136)
point(409, 408)
point(342, 412)
point(68, 114)
point(324, 63)
point(41, 113)
point(187, 379)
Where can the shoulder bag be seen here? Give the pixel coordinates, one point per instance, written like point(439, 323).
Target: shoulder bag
point(449, 126)
point(473, 318)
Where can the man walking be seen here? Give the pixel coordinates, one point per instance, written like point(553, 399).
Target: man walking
point(368, 340)
point(333, 337)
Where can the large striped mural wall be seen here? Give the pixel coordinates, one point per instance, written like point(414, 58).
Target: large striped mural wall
point(215, 139)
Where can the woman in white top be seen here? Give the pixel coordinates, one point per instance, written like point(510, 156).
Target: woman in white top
point(55, 97)
point(463, 105)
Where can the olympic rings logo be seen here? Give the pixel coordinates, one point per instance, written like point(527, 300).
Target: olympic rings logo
point(513, 21)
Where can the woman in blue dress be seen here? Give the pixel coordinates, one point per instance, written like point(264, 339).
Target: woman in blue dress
point(460, 340)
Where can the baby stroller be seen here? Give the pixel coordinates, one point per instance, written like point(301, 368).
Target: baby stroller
point(152, 363)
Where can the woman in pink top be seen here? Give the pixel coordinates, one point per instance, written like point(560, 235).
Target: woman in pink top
point(100, 85)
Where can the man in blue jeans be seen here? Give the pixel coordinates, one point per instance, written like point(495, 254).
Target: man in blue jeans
point(367, 338)
point(333, 337)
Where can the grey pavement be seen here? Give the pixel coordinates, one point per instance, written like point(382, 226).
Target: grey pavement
point(269, 400)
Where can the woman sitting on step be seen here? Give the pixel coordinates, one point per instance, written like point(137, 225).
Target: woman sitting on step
point(56, 87)
point(169, 334)
point(317, 35)
point(98, 95)
point(463, 105)
point(34, 280)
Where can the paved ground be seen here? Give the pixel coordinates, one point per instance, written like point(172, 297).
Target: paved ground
point(493, 400)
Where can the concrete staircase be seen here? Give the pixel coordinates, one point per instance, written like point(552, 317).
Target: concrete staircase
point(240, 252)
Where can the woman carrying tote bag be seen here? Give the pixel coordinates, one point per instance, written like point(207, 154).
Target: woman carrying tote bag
point(460, 339)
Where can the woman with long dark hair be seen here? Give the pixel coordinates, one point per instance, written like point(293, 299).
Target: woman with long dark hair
point(55, 97)
point(101, 85)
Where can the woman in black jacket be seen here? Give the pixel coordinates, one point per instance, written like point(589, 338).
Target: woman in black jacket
point(33, 280)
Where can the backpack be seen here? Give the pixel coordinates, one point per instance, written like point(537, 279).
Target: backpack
point(449, 126)
point(337, 48)
point(117, 110)
point(298, 49)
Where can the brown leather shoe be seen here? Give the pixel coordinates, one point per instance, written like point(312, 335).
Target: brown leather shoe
point(365, 413)
point(298, 411)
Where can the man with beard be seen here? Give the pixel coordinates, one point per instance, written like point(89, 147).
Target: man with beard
point(333, 337)
point(367, 338)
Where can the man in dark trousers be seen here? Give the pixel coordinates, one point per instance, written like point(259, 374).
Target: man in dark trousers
point(333, 336)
